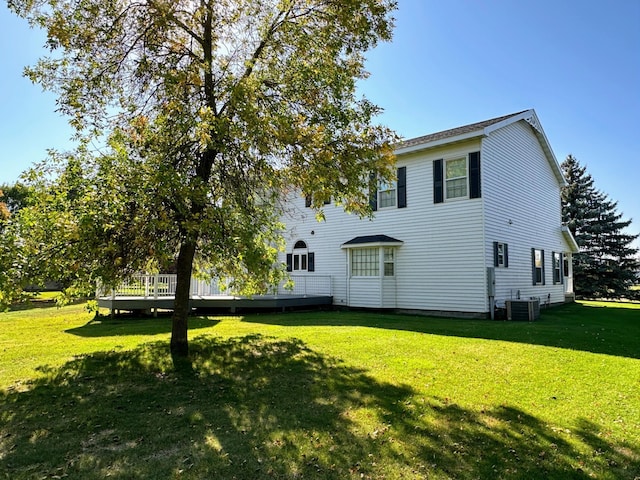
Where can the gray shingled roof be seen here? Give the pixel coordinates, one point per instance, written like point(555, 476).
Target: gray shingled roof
point(454, 132)
point(372, 239)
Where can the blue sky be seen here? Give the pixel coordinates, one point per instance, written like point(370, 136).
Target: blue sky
point(576, 62)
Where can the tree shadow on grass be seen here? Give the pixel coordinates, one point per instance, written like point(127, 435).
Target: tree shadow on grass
point(256, 407)
point(612, 331)
point(104, 326)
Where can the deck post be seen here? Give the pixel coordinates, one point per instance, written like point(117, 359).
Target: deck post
point(155, 294)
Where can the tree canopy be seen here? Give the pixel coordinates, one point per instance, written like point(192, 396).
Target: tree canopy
point(14, 197)
point(213, 110)
point(607, 264)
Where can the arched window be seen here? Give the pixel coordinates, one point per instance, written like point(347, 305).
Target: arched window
point(300, 259)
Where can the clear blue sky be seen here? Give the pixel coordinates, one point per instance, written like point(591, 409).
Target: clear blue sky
point(576, 62)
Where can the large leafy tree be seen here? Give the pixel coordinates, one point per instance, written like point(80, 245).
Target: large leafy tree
point(607, 264)
point(213, 110)
point(14, 196)
point(4, 210)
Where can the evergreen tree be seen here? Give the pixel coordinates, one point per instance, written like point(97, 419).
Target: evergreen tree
point(607, 264)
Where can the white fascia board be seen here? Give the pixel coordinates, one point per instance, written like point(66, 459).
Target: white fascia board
point(437, 143)
point(570, 240)
point(372, 244)
point(509, 121)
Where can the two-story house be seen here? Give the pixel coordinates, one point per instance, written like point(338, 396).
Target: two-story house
point(473, 220)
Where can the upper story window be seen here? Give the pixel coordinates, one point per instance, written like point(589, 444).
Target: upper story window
point(456, 178)
point(387, 194)
point(308, 200)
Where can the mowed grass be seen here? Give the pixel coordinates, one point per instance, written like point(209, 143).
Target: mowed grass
point(322, 395)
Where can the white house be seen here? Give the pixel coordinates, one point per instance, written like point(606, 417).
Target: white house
point(474, 218)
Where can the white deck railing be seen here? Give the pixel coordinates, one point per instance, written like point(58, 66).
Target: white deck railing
point(164, 285)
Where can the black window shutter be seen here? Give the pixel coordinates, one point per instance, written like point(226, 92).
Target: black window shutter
point(402, 187)
point(542, 257)
point(373, 191)
point(561, 268)
point(289, 262)
point(495, 254)
point(307, 201)
point(311, 265)
point(533, 264)
point(438, 186)
point(474, 175)
point(506, 255)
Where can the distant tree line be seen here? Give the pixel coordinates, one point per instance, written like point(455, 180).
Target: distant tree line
point(607, 265)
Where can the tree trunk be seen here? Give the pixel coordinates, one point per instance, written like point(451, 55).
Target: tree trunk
point(181, 304)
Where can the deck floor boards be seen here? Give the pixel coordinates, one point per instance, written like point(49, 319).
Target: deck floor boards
point(223, 302)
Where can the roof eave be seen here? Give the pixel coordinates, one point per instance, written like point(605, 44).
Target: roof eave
point(568, 236)
point(437, 143)
point(372, 244)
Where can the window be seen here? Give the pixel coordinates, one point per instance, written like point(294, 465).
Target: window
point(300, 259)
point(537, 261)
point(365, 262)
point(557, 267)
point(387, 194)
point(456, 178)
point(390, 194)
point(308, 200)
point(389, 262)
point(500, 254)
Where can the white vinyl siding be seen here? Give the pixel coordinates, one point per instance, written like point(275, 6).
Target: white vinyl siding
point(440, 261)
point(522, 207)
point(447, 247)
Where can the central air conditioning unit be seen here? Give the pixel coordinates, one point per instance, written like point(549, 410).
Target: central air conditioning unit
point(528, 310)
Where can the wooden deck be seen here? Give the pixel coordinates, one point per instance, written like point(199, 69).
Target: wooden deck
point(214, 302)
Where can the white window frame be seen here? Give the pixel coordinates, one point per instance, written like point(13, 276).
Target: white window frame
point(300, 258)
point(389, 261)
point(538, 258)
point(375, 261)
point(502, 259)
point(387, 194)
point(557, 267)
point(365, 262)
point(447, 195)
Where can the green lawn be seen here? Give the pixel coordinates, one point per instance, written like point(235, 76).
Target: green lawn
point(322, 395)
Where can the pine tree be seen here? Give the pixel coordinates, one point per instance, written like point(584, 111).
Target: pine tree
point(607, 264)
